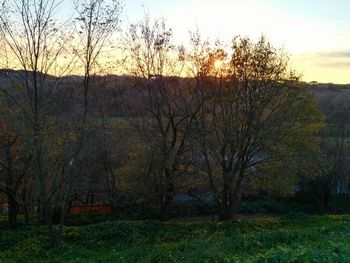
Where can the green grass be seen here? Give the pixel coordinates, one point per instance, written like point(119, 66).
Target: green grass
point(291, 238)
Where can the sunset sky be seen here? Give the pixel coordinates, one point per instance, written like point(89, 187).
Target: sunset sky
point(315, 32)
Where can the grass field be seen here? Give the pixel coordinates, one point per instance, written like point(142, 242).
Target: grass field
point(291, 238)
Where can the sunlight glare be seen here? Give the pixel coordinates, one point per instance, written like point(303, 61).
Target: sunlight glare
point(218, 64)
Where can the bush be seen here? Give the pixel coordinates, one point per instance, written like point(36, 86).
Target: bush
point(270, 206)
point(86, 218)
point(295, 217)
point(142, 211)
point(192, 208)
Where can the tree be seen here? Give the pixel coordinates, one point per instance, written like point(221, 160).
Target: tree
point(96, 23)
point(164, 106)
point(256, 109)
point(33, 42)
point(324, 175)
point(11, 174)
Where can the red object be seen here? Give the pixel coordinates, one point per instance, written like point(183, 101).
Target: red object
point(78, 209)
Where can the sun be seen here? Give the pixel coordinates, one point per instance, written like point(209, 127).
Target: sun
point(218, 64)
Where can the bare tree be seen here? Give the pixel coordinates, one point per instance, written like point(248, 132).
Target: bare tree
point(15, 161)
point(34, 43)
point(164, 106)
point(97, 22)
point(13, 168)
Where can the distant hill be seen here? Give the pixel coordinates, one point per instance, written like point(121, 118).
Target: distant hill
point(331, 96)
point(328, 96)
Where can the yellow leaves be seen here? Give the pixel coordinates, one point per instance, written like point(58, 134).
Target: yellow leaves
point(185, 168)
point(135, 155)
point(279, 178)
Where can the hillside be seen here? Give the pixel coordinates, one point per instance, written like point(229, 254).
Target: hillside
point(331, 96)
point(327, 95)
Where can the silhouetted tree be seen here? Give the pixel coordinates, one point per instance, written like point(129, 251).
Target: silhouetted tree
point(166, 105)
point(256, 106)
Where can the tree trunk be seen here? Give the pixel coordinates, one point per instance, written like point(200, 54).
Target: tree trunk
point(12, 211)
point(10, 189)
point(167, 197)
point(224, 208)
point(164, 207)
point(26, 214)
point(164, 211)
point(326, 198)
point(48, 221)
point(228, 204)
point(25, 204)
point(114, 205)
point(47, 213)
point(113, 196)
point(63, 213)
point(227, 210)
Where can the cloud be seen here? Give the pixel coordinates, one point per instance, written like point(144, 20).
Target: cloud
point(336, 59)
point(341, 54)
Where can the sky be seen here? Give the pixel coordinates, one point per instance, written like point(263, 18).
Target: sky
point(316, 33)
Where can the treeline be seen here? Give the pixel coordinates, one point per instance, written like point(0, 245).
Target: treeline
point(205, 119)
